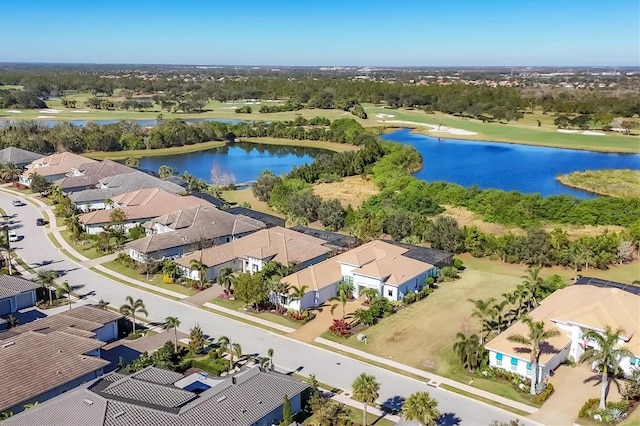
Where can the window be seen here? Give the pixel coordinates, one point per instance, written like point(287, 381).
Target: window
point(514, 364)
point(499, 359)
point(390, 293)
point(347, 279)
point(528, 369)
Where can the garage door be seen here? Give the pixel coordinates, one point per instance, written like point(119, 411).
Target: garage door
point(5, 306)
point(25, 300)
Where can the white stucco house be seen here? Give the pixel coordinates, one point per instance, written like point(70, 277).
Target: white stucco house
point(573, 311)
point(379, 265)
point(54, 167)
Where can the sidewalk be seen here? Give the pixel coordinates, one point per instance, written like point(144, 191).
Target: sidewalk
point(430, 379)
point(358, 405)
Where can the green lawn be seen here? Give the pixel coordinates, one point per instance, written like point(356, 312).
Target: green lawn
point(241, 196)
point(614, 183)
point(514, 132)
point(239, 306)
point(156, 279)
point(138, 153)
point(355, 415)
point(330, 146)
point(85, 247)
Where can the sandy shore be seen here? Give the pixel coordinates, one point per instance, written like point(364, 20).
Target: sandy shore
point(434, 128)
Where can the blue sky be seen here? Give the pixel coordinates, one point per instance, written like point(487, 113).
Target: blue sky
point(322, 32)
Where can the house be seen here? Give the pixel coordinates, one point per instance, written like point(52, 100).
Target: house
point(436, 257)
point(249, 254)
point(16, 293)
point(335, 241)
point(573, 311)
point(112, 186)
point(154, 396)
point(87, 175)
point(38, 365)
point(53, 167)
point(19, 157)
point(194, 228)
point(86, 321)
point(139, 207)
point(377, 265)
point(268, 219)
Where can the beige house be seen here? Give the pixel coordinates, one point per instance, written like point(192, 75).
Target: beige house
point(249, 254)
point(54, 167)
point(573, 311)
point(87, 175)
point(139, 207)
point(378, 265)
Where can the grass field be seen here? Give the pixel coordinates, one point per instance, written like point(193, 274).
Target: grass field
point(614, 183)
point(514, 132)
point(85, 247)
point(330, 146)
point(245, 196)
point(139, 153)
point(352, 190)
point(156, 279)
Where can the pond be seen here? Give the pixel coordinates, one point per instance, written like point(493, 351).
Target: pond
point(510, 167)
point(142, 123)
point(244, 160)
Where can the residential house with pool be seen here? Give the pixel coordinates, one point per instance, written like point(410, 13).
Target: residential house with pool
point(392, 270)
point(573, 311)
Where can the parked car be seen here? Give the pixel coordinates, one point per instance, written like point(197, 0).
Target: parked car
point(40, 222)
point(17, 203)
point(13, 237)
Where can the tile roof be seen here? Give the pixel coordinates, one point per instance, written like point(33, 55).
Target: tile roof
point(120, 184)
point(145, 203)
point(18, 156)
point(151, 393)
point(158, 375)
point(376, 259)
point(92, 172)
point(55, 164)
point(33, 363)
point(584, 305)
point(242, 400)
point(11, 286)
point(279, 244)
point(333, 239)
point(268, 219)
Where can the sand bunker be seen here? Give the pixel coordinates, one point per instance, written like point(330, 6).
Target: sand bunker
point(14, 111)
point(48, 117)
point(385, 115)
point(589, 132)
point(229, 108)
point(79, 111)
point(567, 131)
point(434, 128)
point(50, 111)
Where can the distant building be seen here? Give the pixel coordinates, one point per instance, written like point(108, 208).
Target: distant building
point(19, 157)
point(53, 167)
point(87, 175)
point(159, 397)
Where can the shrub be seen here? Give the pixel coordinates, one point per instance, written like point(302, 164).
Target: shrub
point(544, 395)
point(167, 279)
point(409, 298)
point(449, 273)
point(213, 366)
point(340, 328)
point(589, 408)
point(124, 259)
point(134, 336)
point(458, 264)
point(424, 293)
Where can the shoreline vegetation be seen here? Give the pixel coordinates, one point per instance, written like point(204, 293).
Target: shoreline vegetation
point(613, 183)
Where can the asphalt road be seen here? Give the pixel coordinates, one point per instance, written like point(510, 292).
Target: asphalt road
point(329, 367)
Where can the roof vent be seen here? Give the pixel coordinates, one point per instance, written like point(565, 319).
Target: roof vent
point(83, 357)
point(58, 372)
point(6, 345)
point(118, 414)
point(222, 398)
point(244, 410)
point(59, 351)
point(88, 401)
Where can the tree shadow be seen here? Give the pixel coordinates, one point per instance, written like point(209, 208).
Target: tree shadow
point(46, 263)
point(597, 378)
point(393, 405)
point(448, 419)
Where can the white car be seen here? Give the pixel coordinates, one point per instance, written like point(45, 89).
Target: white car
point(13, 237)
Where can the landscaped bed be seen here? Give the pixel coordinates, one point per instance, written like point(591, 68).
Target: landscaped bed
point(155, 279)
point(269, 315)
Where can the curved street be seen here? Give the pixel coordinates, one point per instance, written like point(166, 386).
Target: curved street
point(332, 368)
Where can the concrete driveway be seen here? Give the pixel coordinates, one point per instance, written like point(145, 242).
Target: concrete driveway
point(329, 367)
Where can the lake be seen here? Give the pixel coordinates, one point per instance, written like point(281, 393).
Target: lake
point(142, 123)
point(524, 168)
point(244, 160)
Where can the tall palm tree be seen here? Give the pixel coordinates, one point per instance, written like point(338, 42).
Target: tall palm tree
point(133, 307)
point(469, 350)
point(607, 357)
point(342, 298)
point(536, 336)
point(298, 293)
point(523, 295)
point(481, 311)
point(225, 279)
point(365, 389)
point(534, 282)
point(169, 323)
point(419, 406)
point(267, 361)
point(9, 172)
point(201, 269)
point(46, 278)
point(498, 319)
point(511, 299)
point(74, 226)
point(225, 345)
point(64, 289)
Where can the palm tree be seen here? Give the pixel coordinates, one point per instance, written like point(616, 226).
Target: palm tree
point(370, 293)
point(419, 406)
point(534, 282)
point(226, 346)
point(347, 287)
point(170, 269)
point(201, 269)
point(497, 318)
point(298, 293)
point(64, 289)
point(131, 308)
point(9, 172)
point(45, 279)
point(469, 350)
point(523, 295)
point(511, 299)
point(533, 340)
point(74, 226)
point(607, 357)
point(342, 298)
point(365, 389)
point(225, 279)
point(173, 322)
point(267, 361)
point(482, 310)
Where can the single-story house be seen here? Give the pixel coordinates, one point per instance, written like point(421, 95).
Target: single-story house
point(574, 311)
point(249, 254)
point(17, 156)
point(139, 207)
point(112, 186)
point(376, 264)
point(16, 293)
point(154, 396)
point(183, 231)
point(87, 175)
point(53, 167)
